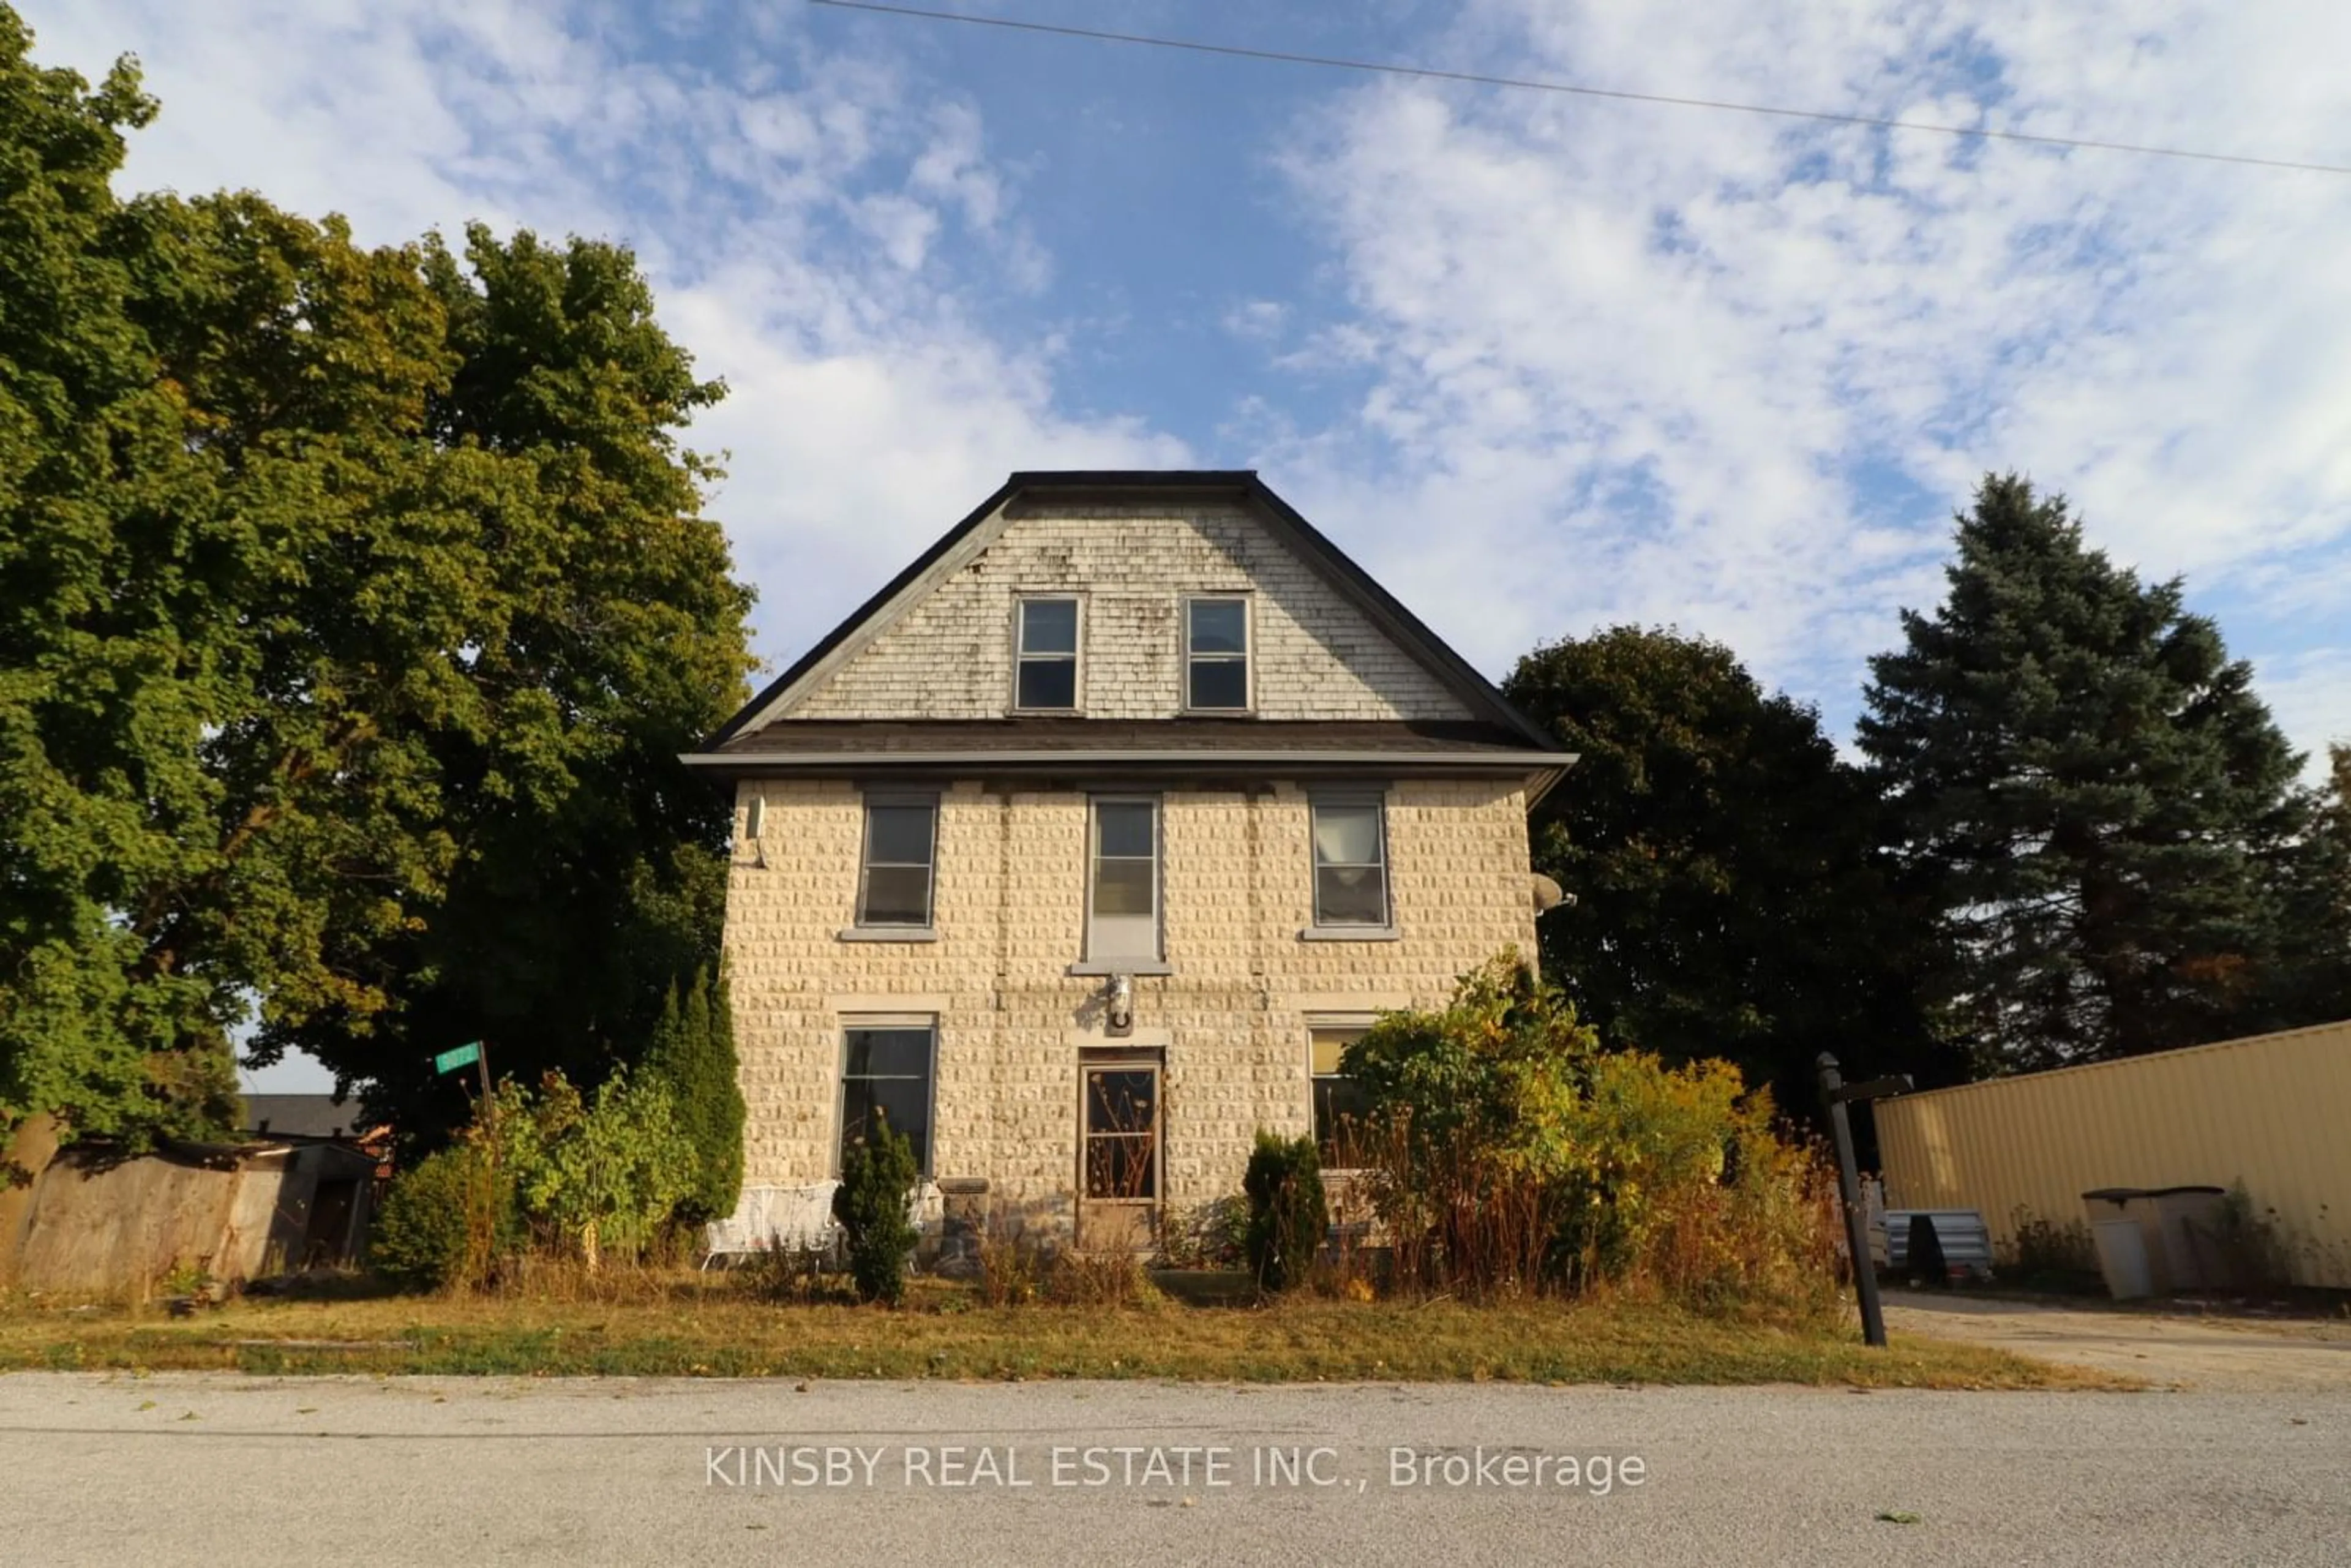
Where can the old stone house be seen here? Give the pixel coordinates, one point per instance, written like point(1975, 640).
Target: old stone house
point(1083, 848)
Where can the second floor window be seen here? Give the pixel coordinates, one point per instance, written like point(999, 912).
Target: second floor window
point(1123, 902)
point(894, 883)
point(1045, 676)
point(1351, 862)
point(1216, 654)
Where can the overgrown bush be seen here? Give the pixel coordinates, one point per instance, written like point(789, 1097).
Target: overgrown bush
point(788, 1274)
point(550, 1174)
point(1014, 1260)
point(2252, 1252)
point(1509, 1152)
point(2045, 1254)
point(1113, 1278)
point(1287, 1213)
point(445, 1221)
point(1211, 1235)
point(877, 1177)
point(603, 1177)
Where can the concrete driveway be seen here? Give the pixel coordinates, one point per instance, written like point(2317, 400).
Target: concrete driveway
point(178, 1468)
point(2173, 1349)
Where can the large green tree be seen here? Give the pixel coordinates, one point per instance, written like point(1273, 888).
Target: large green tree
point(108, 681)
point(2101, 806)
point(1729, 899)
point(356, 605)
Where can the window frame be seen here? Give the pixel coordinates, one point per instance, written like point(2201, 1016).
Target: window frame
point(1319, 928)
point(1123, 962)
point(847, 1024)
point(859, 923)
point(1354, 1024)
point(1245, 658)
point(1138, 1063)
point(1076, 656)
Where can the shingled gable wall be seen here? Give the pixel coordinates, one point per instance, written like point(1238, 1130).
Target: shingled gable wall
point(1232, 1018)
point(950, 655)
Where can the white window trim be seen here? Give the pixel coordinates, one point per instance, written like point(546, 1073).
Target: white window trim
point(1077, 655)
point(1316, 931)
point(1156, 962)
point(1248, 602)
point(861, 929)
point(842, 1024)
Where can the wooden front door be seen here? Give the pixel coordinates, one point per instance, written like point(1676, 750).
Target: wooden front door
point(1119, 1156)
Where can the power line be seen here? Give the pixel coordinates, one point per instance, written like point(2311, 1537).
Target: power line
point(1475, 78)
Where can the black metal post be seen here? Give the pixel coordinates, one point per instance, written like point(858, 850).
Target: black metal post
point(1856, 1219)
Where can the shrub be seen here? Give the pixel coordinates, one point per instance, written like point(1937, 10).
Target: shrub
point(1509, 1152)
point(787, 1273)
point(2252, 1253)
point(1287, 1213)
point(442, 1223)
point(1115, 1279)
point(1014, 1262)
point(603, 1176)
point(2046, 1254)
point(1211, 1235)
point(877, 1175)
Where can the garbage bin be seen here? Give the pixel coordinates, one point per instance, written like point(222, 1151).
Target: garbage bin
point(2122, 1228)
point(2189, 1220)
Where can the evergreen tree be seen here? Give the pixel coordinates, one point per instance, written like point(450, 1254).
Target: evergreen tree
point(1730, 897)
point(2313, 981)
point(2098, 803)
point(693, 1051)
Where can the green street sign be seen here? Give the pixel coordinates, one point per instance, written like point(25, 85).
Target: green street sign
point(464, 1056)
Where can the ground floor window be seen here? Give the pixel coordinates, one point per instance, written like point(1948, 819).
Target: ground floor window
point(1340, 1102)
point(886, 1067)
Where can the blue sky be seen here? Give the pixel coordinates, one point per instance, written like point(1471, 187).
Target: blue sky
point(1541, 363)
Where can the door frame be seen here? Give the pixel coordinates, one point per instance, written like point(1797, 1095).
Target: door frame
point(1122, 1222)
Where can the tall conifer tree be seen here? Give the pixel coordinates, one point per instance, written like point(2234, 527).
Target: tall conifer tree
point(2100, 806)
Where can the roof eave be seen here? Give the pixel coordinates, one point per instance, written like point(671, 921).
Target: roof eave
point(1547, 764)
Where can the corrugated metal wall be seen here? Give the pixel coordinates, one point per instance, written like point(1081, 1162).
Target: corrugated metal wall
point(2273, 1112)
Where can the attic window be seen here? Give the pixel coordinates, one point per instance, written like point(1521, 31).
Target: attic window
point(1216, 654)
point(1046, 656)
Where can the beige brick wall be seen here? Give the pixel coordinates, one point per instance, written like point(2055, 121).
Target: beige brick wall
point(1009, 916)
point(1316, 655)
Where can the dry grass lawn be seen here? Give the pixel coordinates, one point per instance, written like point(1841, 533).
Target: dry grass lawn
point(713, 1326)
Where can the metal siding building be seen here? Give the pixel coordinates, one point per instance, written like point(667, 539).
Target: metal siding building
point(2273, 1111)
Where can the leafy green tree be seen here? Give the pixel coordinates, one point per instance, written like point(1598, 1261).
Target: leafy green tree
point(109, 681)
point(354, 607)
point(606, 1175)
point(2098, 804)
point(1728, 896)
point(694, 1054)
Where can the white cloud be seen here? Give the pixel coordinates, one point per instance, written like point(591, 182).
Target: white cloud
point(2311, 694)
point(1256, 320)
point(1637, 362)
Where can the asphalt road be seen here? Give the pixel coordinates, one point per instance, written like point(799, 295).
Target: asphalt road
point(195, 1468)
